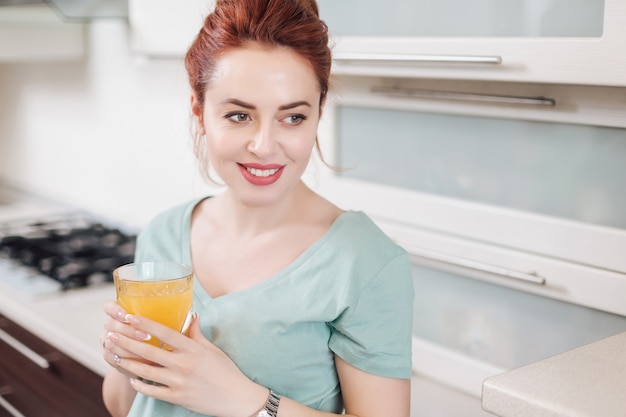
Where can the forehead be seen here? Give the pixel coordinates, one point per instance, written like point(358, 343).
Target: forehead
point(254, 70)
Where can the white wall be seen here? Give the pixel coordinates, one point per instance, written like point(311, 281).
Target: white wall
point(110, 134)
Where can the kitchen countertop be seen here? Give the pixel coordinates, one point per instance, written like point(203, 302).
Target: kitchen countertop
point(589, 381)
point(71, 321)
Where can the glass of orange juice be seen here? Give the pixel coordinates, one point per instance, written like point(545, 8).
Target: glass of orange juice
point(160, 291)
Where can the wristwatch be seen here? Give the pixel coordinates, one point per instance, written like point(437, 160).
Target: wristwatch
point(271, 406)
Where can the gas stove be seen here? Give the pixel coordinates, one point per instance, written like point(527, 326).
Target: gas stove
point(60, 252)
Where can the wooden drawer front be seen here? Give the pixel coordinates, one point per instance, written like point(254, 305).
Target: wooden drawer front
point(65, 388)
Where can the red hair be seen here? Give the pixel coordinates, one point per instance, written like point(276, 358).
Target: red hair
point(291, 23)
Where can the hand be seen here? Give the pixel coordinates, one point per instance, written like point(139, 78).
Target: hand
point(194, 373)
point(115, 325)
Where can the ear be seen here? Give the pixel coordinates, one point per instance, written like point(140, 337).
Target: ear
point(197, 111)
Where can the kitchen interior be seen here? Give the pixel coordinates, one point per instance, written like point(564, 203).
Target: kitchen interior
point(488, 138)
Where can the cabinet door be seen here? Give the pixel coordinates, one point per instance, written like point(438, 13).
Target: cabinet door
point(165, 28)
point(64, 388)
point(532, 181)
point(561, 41)
point(466, 330)
point(36, 33)
point(462, 18)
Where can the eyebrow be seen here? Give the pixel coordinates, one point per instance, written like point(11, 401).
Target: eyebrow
point(238, 103)
point(252, 107)
point(294, 105)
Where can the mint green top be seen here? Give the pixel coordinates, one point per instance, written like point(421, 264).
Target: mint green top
point(349, 294)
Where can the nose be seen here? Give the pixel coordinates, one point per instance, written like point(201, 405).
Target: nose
point(264, 141)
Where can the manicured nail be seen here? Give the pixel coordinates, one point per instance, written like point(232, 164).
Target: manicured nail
point(131, 319)
point(122, 316)
point(142, 335)
point(113, 337)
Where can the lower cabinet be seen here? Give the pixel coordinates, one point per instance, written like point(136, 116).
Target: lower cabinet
point(38, 380)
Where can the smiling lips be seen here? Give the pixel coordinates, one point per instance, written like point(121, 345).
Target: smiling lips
point(261, 174)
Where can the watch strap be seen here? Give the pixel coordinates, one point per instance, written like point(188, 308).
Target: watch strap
point(271, 406)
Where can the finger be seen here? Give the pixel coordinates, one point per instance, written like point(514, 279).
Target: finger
point(112, 350)
point(115, 311)
point(113, 359)
point(115, 326)
point(150, 389)
point(115, 344)
point(146, 371)
point(138, 350)
point(195, 334)
point(166, 335)
point(194, 328)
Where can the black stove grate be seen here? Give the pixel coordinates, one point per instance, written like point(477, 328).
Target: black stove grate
point(74, 250)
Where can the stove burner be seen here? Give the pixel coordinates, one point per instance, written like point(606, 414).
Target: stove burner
point(74, 250)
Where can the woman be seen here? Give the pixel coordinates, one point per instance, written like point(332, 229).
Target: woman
point(302, 309)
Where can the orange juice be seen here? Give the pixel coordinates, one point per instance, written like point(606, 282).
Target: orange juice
point(167, 301)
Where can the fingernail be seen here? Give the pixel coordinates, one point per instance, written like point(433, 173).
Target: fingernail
point(113, 337)
point(131, 319)
point(122, 316)
point(142, 335)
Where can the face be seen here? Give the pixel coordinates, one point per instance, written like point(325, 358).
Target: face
point(260, 120)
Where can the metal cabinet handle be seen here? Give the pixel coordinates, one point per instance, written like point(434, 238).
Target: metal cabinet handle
point(475, 265)
point(411, 58)
point(6, 405)
point(24, 350)
point(448, 95)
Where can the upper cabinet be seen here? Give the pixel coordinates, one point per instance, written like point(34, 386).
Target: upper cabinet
point(38, 33)
point(165, 28)
point(518, 184)
point(547, 41)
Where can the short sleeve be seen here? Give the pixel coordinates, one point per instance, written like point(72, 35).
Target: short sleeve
point(374, 332)
point(165, 238)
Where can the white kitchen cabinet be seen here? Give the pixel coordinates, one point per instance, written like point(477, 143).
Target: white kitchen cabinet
point(551, 41)
point(522, 193)
point(165, 28)
point(37, 33)
point(465, 329)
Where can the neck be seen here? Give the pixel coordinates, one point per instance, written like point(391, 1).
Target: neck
point(246, 220)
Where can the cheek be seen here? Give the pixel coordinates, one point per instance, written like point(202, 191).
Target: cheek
point(221, 149)
point(221, 140)
point(302, 147)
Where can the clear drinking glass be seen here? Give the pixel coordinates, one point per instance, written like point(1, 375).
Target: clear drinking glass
point(160, 291)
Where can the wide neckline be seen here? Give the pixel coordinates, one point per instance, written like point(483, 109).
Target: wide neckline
point(202, 296)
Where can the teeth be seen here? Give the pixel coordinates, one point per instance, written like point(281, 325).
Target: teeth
point(262, 172)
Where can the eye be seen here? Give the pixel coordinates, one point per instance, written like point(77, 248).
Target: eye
point(294, 119)
point(238, 117)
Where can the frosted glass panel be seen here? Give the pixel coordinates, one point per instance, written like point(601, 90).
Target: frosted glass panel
point(499, 325)
point(502, 18)
point(571, 171)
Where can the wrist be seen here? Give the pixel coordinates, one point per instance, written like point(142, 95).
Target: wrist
point(253, 402)
point(270, 406)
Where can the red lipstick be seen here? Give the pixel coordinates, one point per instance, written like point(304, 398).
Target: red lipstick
point(261, 175)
